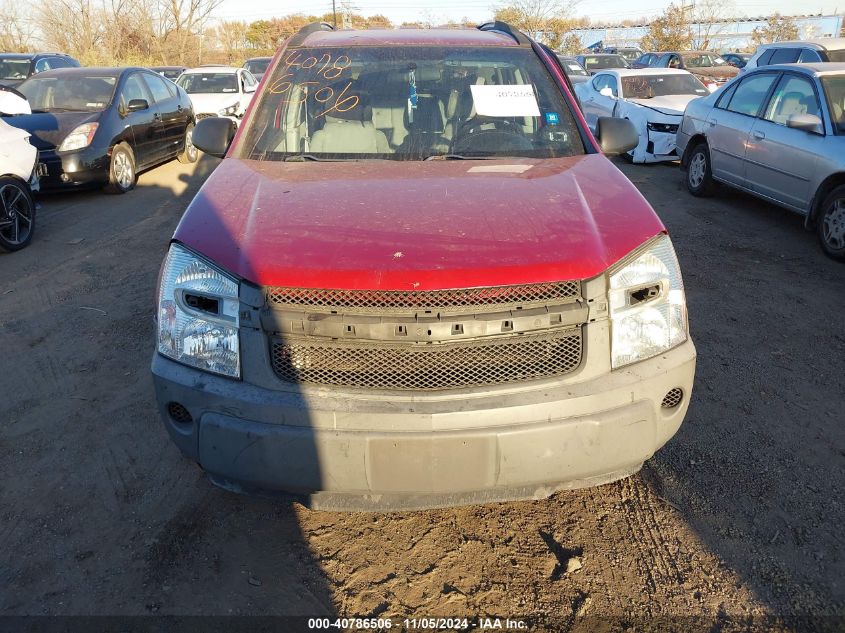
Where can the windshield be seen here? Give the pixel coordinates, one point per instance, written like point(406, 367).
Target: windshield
point(14, 68)
point(649, 86)
point(74, 93)
point(410, 103)
point(631, 54)
point(257, 66)
point(573, 68)
point(834, 88)
point(593, 62)
point(214, 83)
point(703, 60)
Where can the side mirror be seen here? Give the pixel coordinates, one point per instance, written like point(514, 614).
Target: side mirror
point(807, 122)
point(249, 89)
point(615, 136)
point(214, 135)
point(606, 92)
point(135, 105)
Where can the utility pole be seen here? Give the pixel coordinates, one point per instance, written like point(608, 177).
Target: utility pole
point(334, 12)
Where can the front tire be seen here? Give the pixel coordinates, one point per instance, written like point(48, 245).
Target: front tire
point(17, 214)
point(699, 176)
point(190, 153)
point(831, 224)
point(122, 174)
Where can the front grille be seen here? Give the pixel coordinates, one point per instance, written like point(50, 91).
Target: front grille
point(392, 301)
point(672, 398)
point(396, 366)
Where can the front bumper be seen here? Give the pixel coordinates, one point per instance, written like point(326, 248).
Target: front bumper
point(88, 167)
point(354, 452)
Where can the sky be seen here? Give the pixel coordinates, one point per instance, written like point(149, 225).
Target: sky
point(439, 11)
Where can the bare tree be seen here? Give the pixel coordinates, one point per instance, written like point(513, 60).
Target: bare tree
point(232, 37)
point(73, 26)
point(710, 20)
point(16, 30)
point(538, 18)
point(180, 27)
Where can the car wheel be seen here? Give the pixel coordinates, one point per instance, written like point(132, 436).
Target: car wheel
point(831, 224)
point(17, 214)
point(699, 177)
point(122, 169)
point(190, 153)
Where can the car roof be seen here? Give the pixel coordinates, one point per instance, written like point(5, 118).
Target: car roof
point(407, 37)
point(213, 69)
point(827, 43)
point(636, 72)
point(31, 55)
point(600, 55)
point(258, 59)
point(88, 71)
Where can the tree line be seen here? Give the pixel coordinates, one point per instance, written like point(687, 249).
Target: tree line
point(182, 32)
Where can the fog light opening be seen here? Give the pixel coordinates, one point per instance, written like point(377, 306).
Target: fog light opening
point(178, 413)
point(673, 398)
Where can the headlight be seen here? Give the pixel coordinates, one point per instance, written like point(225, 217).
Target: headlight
point(670, 128)
point(228, 111)
point(648, 310)
point(81, 136)
point(198, 314)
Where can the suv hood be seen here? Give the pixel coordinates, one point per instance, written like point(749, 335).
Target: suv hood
point(207, 102)
point(667, 104)
point(398, 225)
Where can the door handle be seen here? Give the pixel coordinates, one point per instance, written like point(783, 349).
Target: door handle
point(179, 108)
point(759, 135)
point(711, 122)
point(156, 117)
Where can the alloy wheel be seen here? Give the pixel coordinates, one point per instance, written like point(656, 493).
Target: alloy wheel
point(834, 225)
point(123, 170)
point(697, 169)
point(16, 218)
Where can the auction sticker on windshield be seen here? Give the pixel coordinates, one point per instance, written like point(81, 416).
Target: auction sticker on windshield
point(518, 100)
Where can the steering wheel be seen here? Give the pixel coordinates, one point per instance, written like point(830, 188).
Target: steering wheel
point(476, 123)
point(493, 140)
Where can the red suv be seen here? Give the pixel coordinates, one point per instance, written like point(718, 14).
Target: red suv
point(415, 280)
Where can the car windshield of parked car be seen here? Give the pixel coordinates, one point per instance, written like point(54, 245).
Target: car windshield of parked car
point(703, 60)
point(834, 88)
point(595, 62)
point(410, 103)
point(650, 86)
point(257, 66)
point(68, 93)
point(573, 68)
point(14, 68)
point(214, 83)
point(630, 55)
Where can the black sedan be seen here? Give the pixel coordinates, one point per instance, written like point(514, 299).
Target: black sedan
point(101, 126)
point(170, 72)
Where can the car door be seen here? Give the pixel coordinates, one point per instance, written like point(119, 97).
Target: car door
point(171, 117)
point(729, 124)
point(781, 161)
point(248, 84)
point(594, 103)
point(142, 127)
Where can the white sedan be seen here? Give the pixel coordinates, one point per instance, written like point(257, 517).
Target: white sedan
point(653, 99)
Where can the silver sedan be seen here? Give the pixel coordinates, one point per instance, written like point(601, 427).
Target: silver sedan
point(777, 132)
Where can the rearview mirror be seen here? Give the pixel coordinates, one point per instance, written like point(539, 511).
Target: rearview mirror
point(807, 122)
point(214, 135)
point(135, 105)
point(615, 136)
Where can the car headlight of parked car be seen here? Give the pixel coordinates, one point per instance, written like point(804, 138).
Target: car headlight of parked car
point(648, 311)
point(229, 110)
point(80, 137)
point(670, 128)
point(198, 314)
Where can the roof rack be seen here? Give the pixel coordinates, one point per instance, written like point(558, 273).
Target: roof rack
point(306, 30)
point(507, 29)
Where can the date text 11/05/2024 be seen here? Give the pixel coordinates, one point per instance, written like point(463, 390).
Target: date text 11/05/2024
point(418, 624)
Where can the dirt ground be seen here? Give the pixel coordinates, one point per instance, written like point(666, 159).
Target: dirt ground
point(738, 518)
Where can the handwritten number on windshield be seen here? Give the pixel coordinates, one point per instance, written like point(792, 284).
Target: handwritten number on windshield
point(335, 100)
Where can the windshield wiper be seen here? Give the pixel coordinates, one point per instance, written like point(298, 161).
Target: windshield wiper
point(460, 157)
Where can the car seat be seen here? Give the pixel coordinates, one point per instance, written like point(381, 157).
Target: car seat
point(426, 131)
point(350, 132)
point(790, 103)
